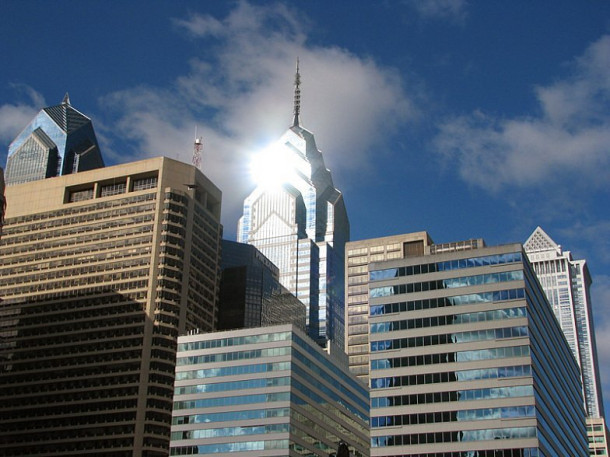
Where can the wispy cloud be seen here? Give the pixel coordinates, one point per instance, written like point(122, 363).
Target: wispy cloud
point(440, 9)
point(242, 87)
point(569, 141)
point(14, 117)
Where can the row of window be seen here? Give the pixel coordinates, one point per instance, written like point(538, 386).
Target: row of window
point(230, 431)
point(499, 259)
point(449, 357)
point(442, 302)
point(244, 446)
point(452, 396)
point(451, 283)
point(231, 416)
point(232, 370)
point(455, 437)
point(235, 341)
point(231, 401)
point(449, 338)
point(451, 319)
point(514, 452)
point(451, 376)
point(258, 383)
point(509, 412)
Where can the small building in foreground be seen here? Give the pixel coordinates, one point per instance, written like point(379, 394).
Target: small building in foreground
point(268, 391)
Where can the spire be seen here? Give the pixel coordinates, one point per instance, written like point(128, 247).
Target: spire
point(297, 97)
point(66, 100)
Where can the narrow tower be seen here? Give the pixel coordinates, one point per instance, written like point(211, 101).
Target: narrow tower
point(297, 218)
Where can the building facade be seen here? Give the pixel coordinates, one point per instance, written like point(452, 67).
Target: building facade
point(566, 283)
point(466, 359)
point(59, 140)
point(267, 392)
point(250, 291)
point(99, 273)
point(359, 254)
point(297, 218)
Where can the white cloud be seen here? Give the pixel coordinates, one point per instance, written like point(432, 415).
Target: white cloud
point(240, 90)
point(440, 9)
point(569, 139)
point(14, 117)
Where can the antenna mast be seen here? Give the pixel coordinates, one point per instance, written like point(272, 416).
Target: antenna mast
point(297, 96)
point(197, 150)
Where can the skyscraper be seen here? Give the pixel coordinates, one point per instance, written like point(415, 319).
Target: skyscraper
point(265, 392)
point(297, 219)
point(99, 273)
point(566, 283)
point(465, 356)
point(250, 291)
point(59, 140)
point(2, 200)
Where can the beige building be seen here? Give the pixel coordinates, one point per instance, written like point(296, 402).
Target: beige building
point(99, 273)
point(358, 255)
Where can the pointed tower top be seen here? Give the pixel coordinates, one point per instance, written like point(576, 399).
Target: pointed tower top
point(297, 97)
point(66, 100)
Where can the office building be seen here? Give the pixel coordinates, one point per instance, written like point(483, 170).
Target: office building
point(267, 392)
point(359, 254)
point(250, 291)
point(566, 283)
point(297, 219)
point(466, 358)
point(99, 273)
point(2, 200)
point(59, 140)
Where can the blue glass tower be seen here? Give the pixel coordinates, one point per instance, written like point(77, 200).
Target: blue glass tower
point(60, 140)
point(297, 218)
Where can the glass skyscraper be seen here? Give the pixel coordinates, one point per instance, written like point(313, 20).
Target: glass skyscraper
point(465, 356)
point(60, 140)
point(566, 283)
point(250, 291)
point(297, 219)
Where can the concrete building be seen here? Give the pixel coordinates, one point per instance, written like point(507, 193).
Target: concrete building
point(250, 292)
point(267, 392)
point(466, 358)
point(359, 254)
point(59, 140)
point(99, 273)
point(297, 219)
point(566, 283)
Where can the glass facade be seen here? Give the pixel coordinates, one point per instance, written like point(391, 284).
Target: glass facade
point(270, 389)
point(566, 284)
point(250, 291)
point(476, 364)
point(60, 140)
point(301, 225)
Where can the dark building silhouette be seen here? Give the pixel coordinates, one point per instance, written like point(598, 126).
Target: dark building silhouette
point(250, 292)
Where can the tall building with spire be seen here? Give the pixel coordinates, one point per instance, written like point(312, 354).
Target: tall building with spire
point(297, 218)
point(59, 140)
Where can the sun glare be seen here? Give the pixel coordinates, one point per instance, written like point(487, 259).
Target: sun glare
point(272, 166)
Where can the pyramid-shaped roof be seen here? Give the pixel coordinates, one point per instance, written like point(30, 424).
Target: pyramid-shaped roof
point(66, 117)
point(540, 241)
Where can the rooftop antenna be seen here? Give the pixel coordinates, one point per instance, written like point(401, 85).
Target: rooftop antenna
point(197, 150)
point(297, 97)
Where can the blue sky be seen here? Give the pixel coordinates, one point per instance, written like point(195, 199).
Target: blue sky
point(465, 119)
